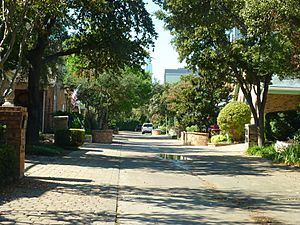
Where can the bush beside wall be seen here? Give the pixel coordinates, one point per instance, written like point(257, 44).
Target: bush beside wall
point(8, 162)
point(282, 125)
point(71, 137)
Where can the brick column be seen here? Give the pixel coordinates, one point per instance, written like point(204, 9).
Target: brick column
point(15, 119)
point(250, 135)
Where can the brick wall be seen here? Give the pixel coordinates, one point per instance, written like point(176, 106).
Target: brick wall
point(281, 102)
point(15, 118)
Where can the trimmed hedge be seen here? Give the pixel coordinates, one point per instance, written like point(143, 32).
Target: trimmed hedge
point(8, 162)
point(71, 137)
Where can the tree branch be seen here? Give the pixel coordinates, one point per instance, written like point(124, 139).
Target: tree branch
point(62, 53)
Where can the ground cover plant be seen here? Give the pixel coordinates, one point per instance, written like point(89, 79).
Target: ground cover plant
point(290, 156)
point(220, 139)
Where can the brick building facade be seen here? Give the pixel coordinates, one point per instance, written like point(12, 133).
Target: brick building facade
point(53, 98)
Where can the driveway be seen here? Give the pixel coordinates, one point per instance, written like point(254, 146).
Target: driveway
point(141, 179)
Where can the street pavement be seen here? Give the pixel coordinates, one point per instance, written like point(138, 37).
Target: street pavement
point(143, 179)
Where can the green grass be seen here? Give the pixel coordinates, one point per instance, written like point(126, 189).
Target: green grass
point(44, 150)
point(291, 156)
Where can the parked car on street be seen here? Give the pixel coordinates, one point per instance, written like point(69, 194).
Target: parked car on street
point(147, 128)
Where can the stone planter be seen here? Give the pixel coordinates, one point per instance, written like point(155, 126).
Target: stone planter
point(102, 136)
point(60, 123)
point(156, 132)
point(194, 138)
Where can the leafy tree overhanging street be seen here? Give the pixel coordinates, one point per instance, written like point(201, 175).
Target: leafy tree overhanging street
point(107, 144)
point(268, 44)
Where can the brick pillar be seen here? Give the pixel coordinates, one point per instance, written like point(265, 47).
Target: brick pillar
point(250, 135)
point(15, 119)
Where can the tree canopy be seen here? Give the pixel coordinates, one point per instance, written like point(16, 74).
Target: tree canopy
point(112, 94)
point(268, 43)
point(196, 100)
point(108, 35)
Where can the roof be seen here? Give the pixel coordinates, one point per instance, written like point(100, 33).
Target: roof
point(179, 70)
point(285, 86)
point(285, 83)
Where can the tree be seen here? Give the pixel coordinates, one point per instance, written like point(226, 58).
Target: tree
point(12, 19)
point(112, 94)
point(268, 43)
point(110, 34)
point(196, 100)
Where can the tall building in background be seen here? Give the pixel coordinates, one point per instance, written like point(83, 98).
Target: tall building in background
point(234, 34)
point(173, 75)
point(148, 66)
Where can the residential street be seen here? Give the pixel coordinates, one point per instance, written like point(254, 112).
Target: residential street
point(143, 179)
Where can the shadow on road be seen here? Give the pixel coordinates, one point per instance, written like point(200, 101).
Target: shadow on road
point(187, 199)
point(197, 199)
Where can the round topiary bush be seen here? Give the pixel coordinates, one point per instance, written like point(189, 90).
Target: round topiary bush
point(233, 117)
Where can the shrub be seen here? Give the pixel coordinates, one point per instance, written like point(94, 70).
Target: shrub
point(8, 162)
point(62, 137)
point(296, 137)
point(70, 137)
point(233, 117)
point(219, 138)
point(265, 152)
point(193, 128)
point(282, 125)
point(44, 149)
point(77, 137)
point(163, 129)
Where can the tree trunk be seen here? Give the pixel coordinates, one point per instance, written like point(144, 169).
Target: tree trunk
point(257, 108)
point(35, 58)
point(261, 112)
point(261, 130)
point(102, 119)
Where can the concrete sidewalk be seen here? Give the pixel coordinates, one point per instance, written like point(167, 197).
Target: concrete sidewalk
point(80, 188)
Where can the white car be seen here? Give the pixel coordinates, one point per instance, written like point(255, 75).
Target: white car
point(147, 128)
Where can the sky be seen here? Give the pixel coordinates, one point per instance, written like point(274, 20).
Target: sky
point(164, 55)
